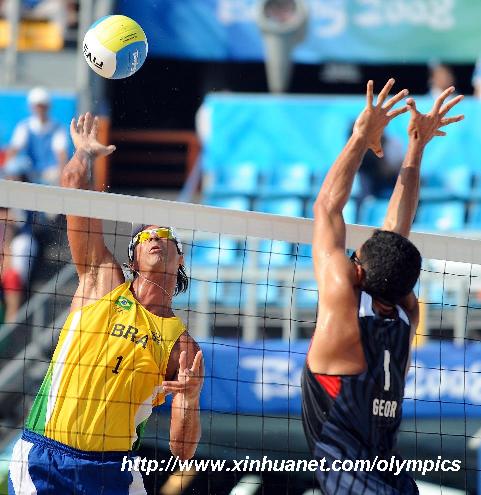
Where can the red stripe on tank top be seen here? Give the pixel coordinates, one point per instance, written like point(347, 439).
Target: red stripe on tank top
point(330, 383)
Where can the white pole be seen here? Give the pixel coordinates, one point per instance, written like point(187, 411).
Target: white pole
point(11, 54)
point(84, 75)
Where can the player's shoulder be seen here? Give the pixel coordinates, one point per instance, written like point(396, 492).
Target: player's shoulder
point(410, 305)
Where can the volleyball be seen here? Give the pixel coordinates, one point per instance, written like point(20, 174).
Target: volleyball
point(115, 47)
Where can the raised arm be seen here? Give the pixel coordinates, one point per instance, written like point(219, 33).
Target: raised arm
point(422, 128)
point(96, 267)
point(335, 345)
point(187, 366)
point(329, 226)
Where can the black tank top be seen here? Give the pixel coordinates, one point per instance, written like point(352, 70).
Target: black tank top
point(363, 419)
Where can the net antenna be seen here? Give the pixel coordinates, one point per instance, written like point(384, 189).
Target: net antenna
point(283, 25)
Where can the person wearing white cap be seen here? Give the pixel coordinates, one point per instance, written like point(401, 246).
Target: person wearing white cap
point(37, 153)
point(38, 148)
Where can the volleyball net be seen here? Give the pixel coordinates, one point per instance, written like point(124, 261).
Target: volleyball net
point(251, 305)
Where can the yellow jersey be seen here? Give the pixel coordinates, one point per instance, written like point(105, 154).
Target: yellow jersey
point(106, 374)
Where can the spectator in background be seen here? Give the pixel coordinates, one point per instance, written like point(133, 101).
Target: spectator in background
point(38, 149)
point(37, 153)
point(378, 175)
point(441, 77)
point(3, 233)
point(18, 249)
point(476, 80)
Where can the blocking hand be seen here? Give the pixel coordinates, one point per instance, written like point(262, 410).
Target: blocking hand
point(373, 120)
point(424, 127)
point(189, 381)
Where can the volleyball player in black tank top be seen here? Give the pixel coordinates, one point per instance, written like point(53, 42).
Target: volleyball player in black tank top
point(353, 381)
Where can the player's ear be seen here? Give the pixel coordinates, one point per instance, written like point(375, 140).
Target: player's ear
point(360, 273)
point(181, 260)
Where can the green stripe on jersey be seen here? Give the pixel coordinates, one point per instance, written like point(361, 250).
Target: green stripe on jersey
point(36, 419)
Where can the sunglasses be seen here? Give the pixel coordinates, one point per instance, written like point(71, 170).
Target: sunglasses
point(162, 233)
point(145, 235)
point(355, 259)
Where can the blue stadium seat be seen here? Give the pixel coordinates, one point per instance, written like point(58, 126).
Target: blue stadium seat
point(446, 216)
point(373, 211)
point(318, 176)
point(474, 217)
point(230, 294)
point(275, 253)
point(288, 180)
point(306, 294)
point(188, 299)
point(215, 251)
point(303, 254)
point(291, 207)
point(239, 203)
point(269, 294)
point(241, 179)
point(476, 190)
point(356, 187)
point(453, 183)
point(350, 212)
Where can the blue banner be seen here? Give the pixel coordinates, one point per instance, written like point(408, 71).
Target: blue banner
point(263, 378)
point(272, 131)
point(342, 30)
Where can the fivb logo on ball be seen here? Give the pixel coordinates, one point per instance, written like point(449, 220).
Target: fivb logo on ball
point(115, 47)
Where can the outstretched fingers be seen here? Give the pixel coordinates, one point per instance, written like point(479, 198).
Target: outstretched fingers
point(95, 127)
point(411, 104)
point(369, 93)
point(396, 99)
point(182, 361)
point(110, 149)
point(397, 112)
point(197, 364)
point(450, 104)
point(80, 124)
point(88, 123)
point(73, 127)
point(385, 91)
point(451, 120)
point(440, 99)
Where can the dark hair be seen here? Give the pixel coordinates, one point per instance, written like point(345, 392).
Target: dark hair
point(391, 264)
point(182, 281)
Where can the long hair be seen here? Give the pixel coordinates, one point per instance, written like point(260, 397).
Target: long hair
point(182, 281)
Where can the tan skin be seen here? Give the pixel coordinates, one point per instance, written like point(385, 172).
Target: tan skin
point(336, 345)
point(156, 262)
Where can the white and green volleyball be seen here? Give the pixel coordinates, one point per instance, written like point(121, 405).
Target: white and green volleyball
point(115, 47)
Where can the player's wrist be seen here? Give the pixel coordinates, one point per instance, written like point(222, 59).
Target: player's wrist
point(84, 153)
point(190, 401)
point(415, 141)
point(360, 139)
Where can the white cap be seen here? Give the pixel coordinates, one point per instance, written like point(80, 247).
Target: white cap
point(38, 96)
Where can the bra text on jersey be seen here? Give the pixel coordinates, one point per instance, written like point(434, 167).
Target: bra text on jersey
point(126, 331)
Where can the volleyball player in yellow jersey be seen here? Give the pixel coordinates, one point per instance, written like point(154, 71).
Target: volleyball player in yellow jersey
point(120, 352)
